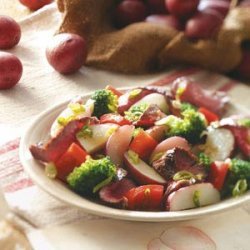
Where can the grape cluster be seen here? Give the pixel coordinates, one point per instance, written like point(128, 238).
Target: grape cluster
point(198, 19)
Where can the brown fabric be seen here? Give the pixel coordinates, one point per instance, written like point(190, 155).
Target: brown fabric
point(144, 47)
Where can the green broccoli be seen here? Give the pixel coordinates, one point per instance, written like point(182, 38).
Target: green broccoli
point(136, 111)
point(105, 101)
point(238, 178)
point(186, 105)
point(190, 126)
point(204, 160)
point(92, 175)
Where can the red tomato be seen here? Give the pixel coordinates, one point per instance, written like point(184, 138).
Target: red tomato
point(218, 172)
point(147, 197)
point(114, 118)
point(72, 158)
point(114, 90)
point(143, 144)
point(209, 115)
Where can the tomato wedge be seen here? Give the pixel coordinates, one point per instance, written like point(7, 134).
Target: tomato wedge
point(147, 197)
point(209, 115)
point(143, 144)
point(114, 118)
point(114, 90)
point(73, 157)
point(218, 172)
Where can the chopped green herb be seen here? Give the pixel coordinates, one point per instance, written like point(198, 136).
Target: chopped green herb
point(196, 198)
point(77, 108)
point(244, 122)
point(133, 93)
point(135, 112)
point(50, 170)
point(134, 157)
point(240, 187)
point(85, 132)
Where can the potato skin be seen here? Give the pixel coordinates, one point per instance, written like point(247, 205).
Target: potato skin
point(66, 53)
point(10, 32)
point(11, 70)
point(35, 4)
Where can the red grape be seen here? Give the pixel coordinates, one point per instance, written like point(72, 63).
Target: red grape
point(165, 20)
point(11, 70)
point(130, 11)
point(182, 8)
point(10, 32)
point(203, 25)
point(157, 6)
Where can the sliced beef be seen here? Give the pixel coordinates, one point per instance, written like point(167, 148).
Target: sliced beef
point(241, 135)
point(196, 95)
point(157, 132)
point(150, 116)
point(175, 160)
point(176, 185)
point(55, 147)
point(114, 192)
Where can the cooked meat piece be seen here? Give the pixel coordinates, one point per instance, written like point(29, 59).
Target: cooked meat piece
point(178, 159)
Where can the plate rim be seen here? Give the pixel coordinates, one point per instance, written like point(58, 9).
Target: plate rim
point(107, 211)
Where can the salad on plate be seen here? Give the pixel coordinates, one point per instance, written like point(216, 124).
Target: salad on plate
point(150, 148)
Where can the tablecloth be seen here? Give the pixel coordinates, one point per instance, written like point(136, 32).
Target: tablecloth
point(55, 225)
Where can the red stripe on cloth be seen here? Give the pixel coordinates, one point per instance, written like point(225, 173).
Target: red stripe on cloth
point(9, 146)
point(18, 185)
point(173, 76)
point(228, 86)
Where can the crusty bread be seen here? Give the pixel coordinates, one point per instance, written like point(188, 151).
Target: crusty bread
point(144, 47)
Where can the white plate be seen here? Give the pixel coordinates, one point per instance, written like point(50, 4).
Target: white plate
point(39, 130)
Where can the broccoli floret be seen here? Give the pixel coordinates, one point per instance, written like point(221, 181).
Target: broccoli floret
point(190, 126)
point(204, 160)
point(92, 175)
point(105, 101)
point(186, 106)
point(136, 111)
point(240, 169)
point(238, 178)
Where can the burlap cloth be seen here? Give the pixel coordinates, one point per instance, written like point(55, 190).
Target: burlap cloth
point(143, 47)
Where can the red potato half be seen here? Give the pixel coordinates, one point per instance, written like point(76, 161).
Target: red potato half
point(10, 32)
point(11, 70)
point(142, 172)
point(99, 137)
point(168, 144)
point(66, 53)
point(118, 143)
point(220, 144)
point(184, 197)
point(155, 99)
